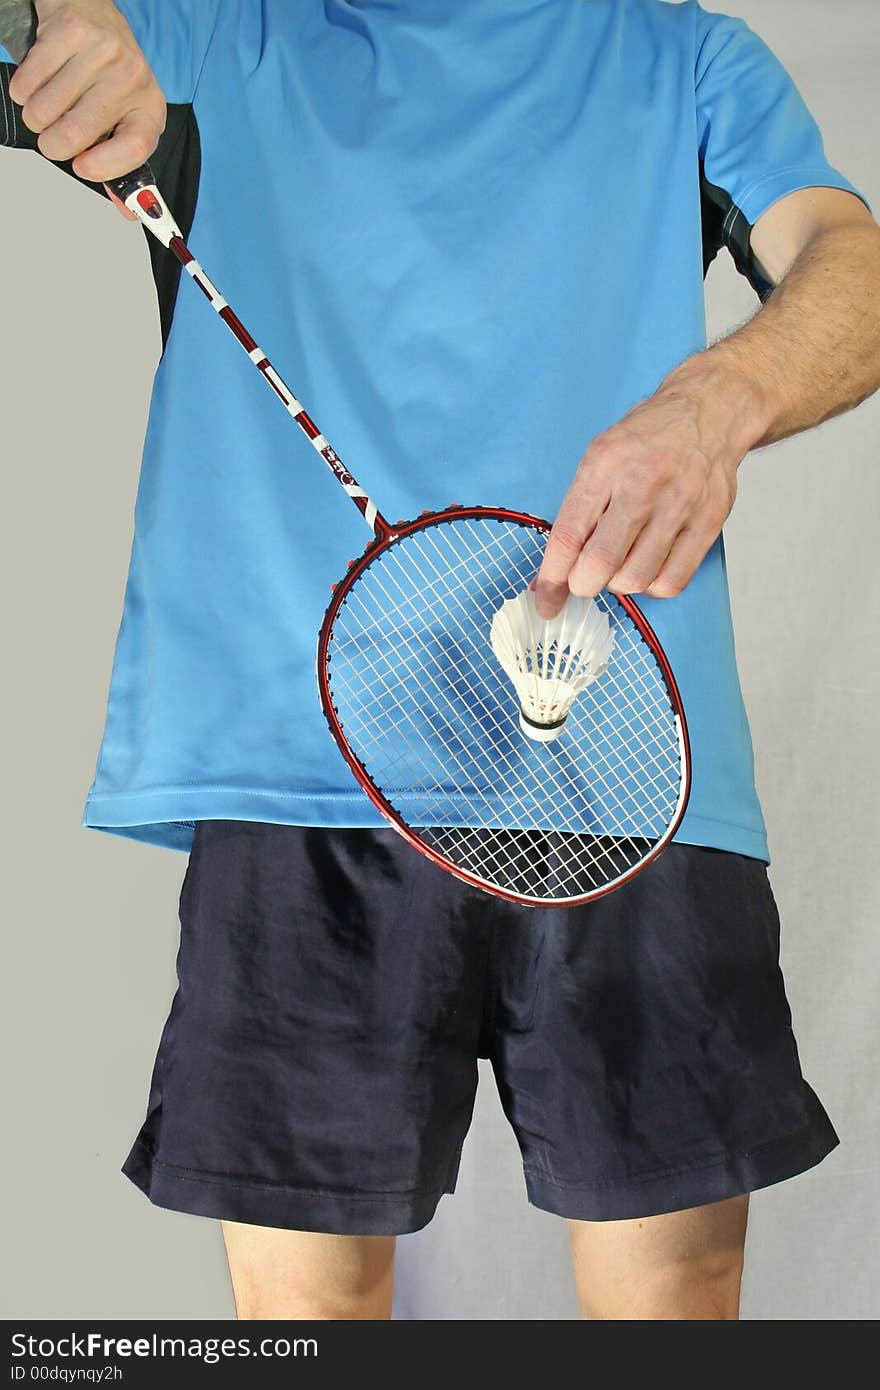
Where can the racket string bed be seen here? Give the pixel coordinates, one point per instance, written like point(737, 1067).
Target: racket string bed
point(473, 669)
point(358, 727)
point(650, 690)
point(433, 722)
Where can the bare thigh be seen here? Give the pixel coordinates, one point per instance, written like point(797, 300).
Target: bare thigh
point(302, 1275)
point(684, 1265)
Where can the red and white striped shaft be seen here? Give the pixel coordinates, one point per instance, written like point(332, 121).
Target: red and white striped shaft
point(151, 209)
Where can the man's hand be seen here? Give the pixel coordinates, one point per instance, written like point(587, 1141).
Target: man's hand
point(652, 492)
point(85, 76)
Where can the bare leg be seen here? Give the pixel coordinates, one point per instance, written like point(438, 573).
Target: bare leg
point(686, 1265)
point(302, 1275)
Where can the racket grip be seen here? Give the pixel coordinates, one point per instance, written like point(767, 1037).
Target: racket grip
point(18, 28)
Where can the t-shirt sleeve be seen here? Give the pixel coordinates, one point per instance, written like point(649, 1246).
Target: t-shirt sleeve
point(758, 140)
point(174, 36)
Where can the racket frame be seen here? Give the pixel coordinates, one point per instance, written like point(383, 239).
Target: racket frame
point(323, 661)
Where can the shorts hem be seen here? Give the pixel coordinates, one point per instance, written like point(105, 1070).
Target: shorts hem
point(714, 1180)
point(293, 1208)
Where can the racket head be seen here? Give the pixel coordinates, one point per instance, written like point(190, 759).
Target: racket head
point(404, 663)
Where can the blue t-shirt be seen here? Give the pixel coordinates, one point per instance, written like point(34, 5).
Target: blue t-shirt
point(470, 234)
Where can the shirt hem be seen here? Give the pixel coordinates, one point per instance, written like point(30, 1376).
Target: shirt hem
point(761, 195)
point(166, 817)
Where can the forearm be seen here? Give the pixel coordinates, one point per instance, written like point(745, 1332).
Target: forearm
point(811, 352)
point(17, 26)
point(652, 492)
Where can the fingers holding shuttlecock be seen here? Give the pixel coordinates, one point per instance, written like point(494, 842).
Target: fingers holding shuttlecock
point(550, 661)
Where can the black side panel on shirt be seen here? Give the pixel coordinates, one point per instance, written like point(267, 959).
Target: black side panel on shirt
point(725, 225)
point(176, 162)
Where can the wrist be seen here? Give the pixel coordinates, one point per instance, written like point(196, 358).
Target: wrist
point(734, 409)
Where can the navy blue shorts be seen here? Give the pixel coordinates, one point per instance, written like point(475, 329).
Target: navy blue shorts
point(318, 1067)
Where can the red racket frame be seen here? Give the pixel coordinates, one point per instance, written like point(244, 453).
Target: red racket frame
point(341, 591)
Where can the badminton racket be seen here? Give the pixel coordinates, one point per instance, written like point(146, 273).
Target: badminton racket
point(430, 723)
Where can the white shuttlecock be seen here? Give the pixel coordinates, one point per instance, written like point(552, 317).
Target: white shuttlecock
point(550, 661)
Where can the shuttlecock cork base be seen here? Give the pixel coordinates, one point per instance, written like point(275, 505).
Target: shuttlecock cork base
point(541, 733)
point(550, 660)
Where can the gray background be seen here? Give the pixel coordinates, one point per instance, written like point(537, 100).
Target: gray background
point(91, 925)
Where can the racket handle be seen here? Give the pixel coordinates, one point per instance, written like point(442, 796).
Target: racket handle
point(18, 28)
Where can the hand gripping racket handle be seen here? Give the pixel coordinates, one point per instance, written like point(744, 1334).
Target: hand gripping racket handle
point(18, 33)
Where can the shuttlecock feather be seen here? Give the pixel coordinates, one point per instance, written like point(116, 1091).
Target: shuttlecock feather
point(550, 661)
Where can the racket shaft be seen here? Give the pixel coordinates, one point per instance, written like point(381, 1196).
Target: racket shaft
point(150, 208)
